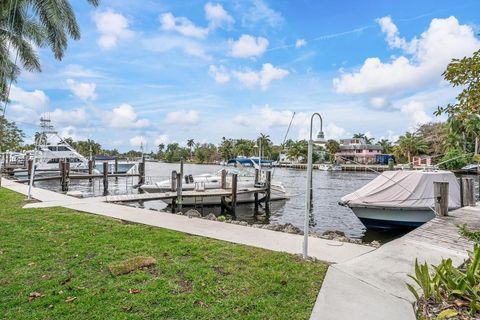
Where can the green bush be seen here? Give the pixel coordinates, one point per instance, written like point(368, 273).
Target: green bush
point(454, 159)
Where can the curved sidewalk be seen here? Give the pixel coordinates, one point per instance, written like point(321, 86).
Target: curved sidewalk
point(322, 249)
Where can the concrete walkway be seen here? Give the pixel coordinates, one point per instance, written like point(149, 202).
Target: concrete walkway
point(372, 286)
point(325, 250)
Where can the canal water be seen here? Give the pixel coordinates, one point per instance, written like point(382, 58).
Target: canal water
point(328, 188)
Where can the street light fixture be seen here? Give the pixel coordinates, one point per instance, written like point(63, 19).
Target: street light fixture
point(320, 139)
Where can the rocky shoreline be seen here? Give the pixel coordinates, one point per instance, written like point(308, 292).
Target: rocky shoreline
point(287, 228)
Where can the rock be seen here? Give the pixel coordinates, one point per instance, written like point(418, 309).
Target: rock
point(210, 216)
point(76, 194)
point(290, 228)
point(375, 244)
point(192, 213)
point(243, 223)
point(257, 225)
point(331, 235)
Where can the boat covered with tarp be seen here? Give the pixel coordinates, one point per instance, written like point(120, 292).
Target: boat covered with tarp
point(402, 198)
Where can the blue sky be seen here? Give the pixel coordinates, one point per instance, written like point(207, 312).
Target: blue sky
point(161, 71)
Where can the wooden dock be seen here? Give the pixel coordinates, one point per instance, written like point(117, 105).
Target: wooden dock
point(173, 195)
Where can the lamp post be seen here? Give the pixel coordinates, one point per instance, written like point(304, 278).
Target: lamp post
point(320, 139)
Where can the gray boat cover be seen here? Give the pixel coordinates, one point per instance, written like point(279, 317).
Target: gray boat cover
point(404, 189)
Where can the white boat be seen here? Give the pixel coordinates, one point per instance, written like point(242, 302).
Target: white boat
point(50, 150)
point(129, 167)
point(246, 179)
point(473, 167)
point(329, 167)
point(402, 198)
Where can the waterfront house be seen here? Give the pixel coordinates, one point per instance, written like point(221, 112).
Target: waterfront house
point(421, 161)
point(357, 150)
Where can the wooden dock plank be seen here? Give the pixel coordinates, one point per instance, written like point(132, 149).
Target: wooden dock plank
point(173, 194)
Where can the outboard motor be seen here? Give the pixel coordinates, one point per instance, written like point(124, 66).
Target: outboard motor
point(190, 178)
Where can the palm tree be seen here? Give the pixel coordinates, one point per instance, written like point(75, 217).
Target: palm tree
point(25, 24)
point(363, 136)
point(386, 145)
point(332, 147)
point(190, 144)
point(411, 144)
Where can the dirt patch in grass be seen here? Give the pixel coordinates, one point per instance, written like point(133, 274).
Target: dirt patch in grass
point(132, 264)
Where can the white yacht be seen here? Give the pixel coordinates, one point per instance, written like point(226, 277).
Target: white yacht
point(401, 198)
point(329, 167)
point(50, 150)
point(246, 179)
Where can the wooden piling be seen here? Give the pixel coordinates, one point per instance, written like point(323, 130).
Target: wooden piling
point(179, 191)
point(29, 167)
point(90, 169)
point(255, 195)
point(234, 193)
point(467, 188)
point(268, 185)
point(224, 179)
point(440, 192)
point(141, 171)
point(105, 178)
point(116, 168)
point(63, 175)
point(173, 181)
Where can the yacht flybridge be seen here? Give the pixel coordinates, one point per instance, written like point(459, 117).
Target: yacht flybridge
point(50, 149)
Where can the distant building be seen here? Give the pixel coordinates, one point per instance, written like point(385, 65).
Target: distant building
point(421, 161)
point(356, 150)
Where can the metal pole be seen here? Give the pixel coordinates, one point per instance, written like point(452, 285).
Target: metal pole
point(307, 200)
point(309, 185)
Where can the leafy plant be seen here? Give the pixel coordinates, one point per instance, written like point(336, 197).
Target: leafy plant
point(448, 284)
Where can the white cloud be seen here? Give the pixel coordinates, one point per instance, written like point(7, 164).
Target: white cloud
point(248, 46)
point(125, 117)
point(260, 11)
point(36, 99)
point(138, 141)
point(424, 61)
point(182, 25)
point(332, 131)
point(300, 43)
point(165, 43)
point(217, 16)
point(78, 71)
point(392, 33)
point(69, 117)
point(415, 112)
point(264, 77)
point(220, 74)
point(378, 102)
point(162, 139)
point(71, 132)
point(183, 117)
point(113, 27)
point(83, 90)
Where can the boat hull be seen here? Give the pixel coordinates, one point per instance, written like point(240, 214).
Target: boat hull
point(390, 218)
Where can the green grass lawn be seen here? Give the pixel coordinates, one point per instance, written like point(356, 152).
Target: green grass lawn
point(63, 255)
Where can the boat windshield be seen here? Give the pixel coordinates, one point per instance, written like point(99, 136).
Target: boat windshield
point(239, 172)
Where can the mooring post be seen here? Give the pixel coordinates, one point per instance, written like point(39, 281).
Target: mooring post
point(141, 171)
point(105, 178)
point(179, 191)
point(116, 168)
point(467, 192)
point(173, 181)
point(440, 193)
point(29, 167)
point(234, 193)
point(67, 175)
point(267, 191)
point(255, 195)
point(63, 174)
point(90, 169)
point(224, 179)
